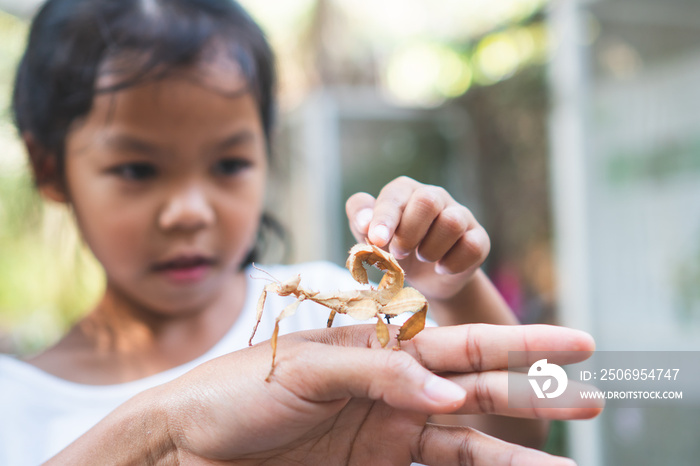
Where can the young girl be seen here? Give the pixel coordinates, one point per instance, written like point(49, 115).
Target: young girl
point(151, 119)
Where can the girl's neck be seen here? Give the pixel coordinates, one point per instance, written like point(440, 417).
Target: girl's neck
point(120, 342)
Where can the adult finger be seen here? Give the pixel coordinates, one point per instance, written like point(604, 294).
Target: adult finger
point(474, 347)
point(484, 347)
point(332, 373)
point(462, 446)
point(487, 392)
point(359, 209)
point(509, 394)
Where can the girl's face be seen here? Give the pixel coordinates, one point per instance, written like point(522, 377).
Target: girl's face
point(167, 182)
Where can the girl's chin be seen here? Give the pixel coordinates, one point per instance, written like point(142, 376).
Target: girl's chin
point(175, 292)
point(181, 304)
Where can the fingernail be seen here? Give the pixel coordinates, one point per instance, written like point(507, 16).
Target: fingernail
point(441, 270)
point(443, 391)
point(363, 218)
point(382, 232)
point(421, 258)
point(398, 253)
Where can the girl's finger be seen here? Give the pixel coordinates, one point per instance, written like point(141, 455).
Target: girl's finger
point(360, 210)
point(450, 225)
point(460, 446)
point(467, 253)
point(422, 209)
point(389, 208)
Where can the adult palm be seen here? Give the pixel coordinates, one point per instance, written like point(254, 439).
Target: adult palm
point(335, 399)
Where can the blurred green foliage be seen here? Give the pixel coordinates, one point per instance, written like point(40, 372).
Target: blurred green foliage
point(12, 36)
point(47, 278)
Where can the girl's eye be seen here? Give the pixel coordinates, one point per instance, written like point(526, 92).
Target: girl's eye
point(228, 167)
point(134, 171)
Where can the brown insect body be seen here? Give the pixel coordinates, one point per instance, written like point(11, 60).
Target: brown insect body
point(389, 299)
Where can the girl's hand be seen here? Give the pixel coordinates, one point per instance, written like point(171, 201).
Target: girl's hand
point(437, 241)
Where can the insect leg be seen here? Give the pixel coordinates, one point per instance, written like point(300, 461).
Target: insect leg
point(382, 332)
point(286, 312)
point(330, 319)
point(261, 305)
point(412, 326)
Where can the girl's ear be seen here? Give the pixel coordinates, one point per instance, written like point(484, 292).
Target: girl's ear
point(46, 176)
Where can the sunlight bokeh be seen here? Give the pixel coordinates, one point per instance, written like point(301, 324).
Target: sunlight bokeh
point(427, 74)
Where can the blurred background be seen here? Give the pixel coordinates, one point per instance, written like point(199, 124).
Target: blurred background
point(569, 127)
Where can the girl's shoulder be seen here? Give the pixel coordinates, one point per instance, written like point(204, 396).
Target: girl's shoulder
point(42, 413)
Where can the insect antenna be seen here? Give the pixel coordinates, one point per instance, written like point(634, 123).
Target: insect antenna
point(271, 277)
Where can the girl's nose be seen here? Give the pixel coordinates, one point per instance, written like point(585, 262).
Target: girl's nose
point(187, 210)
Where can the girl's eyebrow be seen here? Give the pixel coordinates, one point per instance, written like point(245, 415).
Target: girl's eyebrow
point(236, 139)
point(127, 143)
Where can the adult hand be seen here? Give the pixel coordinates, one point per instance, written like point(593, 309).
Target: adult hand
point(336, 398)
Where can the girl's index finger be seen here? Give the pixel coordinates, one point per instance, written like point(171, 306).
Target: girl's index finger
point(388, 209)
point(360, 210)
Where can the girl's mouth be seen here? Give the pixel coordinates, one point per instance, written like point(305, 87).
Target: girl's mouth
point(185, 269)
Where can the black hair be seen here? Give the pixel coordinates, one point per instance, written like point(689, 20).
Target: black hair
point(70, 40)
